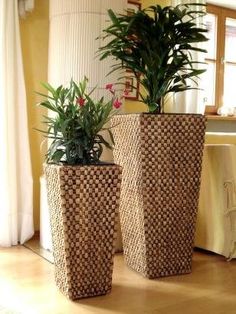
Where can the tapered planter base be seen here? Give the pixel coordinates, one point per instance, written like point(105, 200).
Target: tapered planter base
point(83, 203)
point(161, 156)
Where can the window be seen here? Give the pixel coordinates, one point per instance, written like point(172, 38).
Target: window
point(220, 76)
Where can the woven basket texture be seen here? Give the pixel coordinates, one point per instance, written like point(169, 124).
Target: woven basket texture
point(83, 203)
point(161, 157)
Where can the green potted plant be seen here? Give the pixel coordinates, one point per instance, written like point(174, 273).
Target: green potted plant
point(161, 154)
point(83, 192)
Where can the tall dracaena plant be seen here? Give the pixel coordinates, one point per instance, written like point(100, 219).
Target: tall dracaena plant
point(156, 45)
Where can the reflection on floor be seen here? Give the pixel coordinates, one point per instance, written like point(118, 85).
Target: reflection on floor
point(34, 245)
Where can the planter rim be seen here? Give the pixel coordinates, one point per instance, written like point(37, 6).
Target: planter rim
point(160, 114)
point(81, 166)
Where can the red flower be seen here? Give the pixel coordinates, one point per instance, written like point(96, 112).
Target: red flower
point(109, 87)
point(126, 92)
point(117, 103)
point(80, 101)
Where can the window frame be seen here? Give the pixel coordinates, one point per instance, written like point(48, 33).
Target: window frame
point(221, 13)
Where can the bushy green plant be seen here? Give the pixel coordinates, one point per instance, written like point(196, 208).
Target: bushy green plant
point(156, 45)
point(77, 120)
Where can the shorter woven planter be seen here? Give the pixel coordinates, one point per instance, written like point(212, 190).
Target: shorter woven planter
point(161, 157)
point(83, 203)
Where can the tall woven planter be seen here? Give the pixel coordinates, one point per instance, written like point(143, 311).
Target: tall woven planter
point(161, 156)
point(83, 203)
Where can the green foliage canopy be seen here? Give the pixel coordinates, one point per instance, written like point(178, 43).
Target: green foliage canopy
point(156, 45)
point(75, 125)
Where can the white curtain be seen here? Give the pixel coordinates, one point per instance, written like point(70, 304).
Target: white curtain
point(16, 207)
point(191, 101)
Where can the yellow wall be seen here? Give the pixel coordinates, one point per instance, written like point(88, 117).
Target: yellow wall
point(147, 3)
point(34, 39)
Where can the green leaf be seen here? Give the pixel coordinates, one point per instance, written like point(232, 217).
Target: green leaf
point(111, 137)
point(57, 156)
point(44, 95)
point(113, 17)
point(100, 139)
point(49, 88)
point(48, 105)
point(152, 107)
